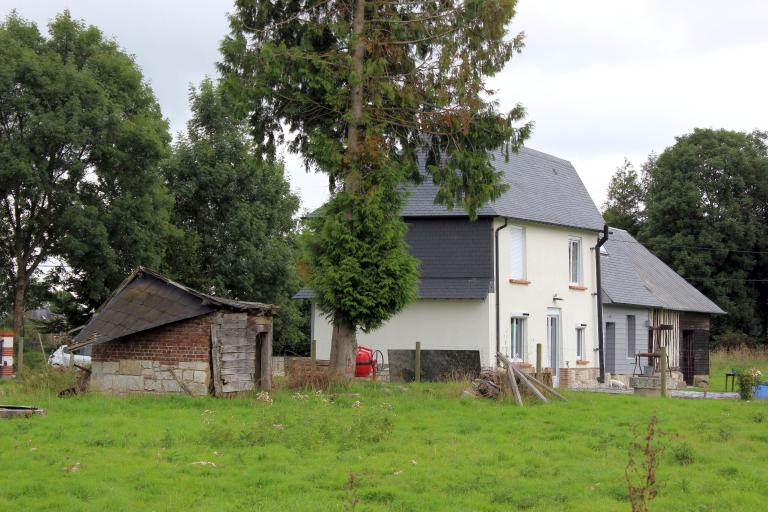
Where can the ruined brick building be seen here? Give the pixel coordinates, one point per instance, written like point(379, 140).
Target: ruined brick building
point(154, 335)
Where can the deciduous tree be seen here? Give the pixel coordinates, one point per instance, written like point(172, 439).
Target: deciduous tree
point(80, 136)
point(706, 208)
point(236, 213)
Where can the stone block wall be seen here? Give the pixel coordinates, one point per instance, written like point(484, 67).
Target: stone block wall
point(578, 377)
point(161, 360)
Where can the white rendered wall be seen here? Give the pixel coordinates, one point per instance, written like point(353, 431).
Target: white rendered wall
point(547, 267)
point(471, 324)
point(437, 324)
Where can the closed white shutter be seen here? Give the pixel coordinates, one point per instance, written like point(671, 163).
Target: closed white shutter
point(517, 253)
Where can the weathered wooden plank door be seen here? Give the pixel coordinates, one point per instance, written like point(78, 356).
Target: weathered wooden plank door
point(239, 342)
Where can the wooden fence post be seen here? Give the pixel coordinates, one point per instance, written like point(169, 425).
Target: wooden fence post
point(313, 352)
point(663, 358)
point(417, 364)
point(538, 361)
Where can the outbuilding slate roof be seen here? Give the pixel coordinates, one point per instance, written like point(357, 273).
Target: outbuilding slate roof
point(542, 188)
point(147, 299)
point(633, 275)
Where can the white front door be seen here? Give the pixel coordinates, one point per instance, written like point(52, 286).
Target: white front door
point(553, 343)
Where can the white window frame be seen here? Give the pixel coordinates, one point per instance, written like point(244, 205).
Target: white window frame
point(522, 275)
point(580, 336)
point(522, 331)
point(575, 241)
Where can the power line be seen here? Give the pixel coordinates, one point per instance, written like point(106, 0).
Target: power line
point(692, 247)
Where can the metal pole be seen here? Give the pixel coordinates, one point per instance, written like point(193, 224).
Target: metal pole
point(599, 291)
point(417, 365)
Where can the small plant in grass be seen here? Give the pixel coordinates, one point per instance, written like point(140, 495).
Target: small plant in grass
point(645, 452)
point(748, 379)
point(351, 498)
point(683, 454)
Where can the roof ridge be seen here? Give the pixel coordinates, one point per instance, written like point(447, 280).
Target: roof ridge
point(544, 155)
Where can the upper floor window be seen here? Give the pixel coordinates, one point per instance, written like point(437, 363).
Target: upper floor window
point(574, 261)
point(517, 253)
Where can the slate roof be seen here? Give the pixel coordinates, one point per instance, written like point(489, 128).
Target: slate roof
point(542, 188)
point(147, 299)
point(633, 275)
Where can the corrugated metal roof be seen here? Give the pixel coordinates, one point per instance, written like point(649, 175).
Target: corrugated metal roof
point(633, 275)
point(147, 299)
point(542, 188)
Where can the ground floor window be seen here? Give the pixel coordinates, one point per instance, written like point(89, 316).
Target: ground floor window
point(517, 330)
point(631, 336)
point(580, 342)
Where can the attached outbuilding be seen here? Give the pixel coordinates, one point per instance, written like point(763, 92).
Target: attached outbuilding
point(647, 305)
point(154, 335)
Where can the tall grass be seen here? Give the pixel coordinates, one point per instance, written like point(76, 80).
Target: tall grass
point(723, 361)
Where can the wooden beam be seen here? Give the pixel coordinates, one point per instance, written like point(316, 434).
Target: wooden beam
point(216, 355)
point(551, 390)
point(266, 361)
point(524, 378)
point(417, 363)
point(181, 382)
point(513, 384)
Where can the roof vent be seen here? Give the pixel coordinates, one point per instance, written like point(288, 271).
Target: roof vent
point(555, 171)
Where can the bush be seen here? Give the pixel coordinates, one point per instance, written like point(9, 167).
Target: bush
point(748, 379)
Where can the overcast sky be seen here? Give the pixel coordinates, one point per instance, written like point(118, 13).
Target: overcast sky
point(602, 79)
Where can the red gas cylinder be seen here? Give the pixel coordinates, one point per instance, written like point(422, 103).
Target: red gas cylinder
point(364, 362)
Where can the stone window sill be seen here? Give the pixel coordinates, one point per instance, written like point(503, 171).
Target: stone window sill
point(577, 287)
point(519, 281)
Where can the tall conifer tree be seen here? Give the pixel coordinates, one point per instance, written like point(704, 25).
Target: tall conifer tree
point(370, 89)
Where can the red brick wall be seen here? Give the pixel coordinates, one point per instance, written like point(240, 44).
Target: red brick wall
point(186, 340)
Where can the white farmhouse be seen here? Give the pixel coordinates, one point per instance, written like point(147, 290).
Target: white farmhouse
point(523, 273)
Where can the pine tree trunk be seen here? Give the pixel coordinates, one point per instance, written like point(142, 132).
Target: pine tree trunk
point(343, 344)
point(19, 296)
point(356, 92)
point(343, 339)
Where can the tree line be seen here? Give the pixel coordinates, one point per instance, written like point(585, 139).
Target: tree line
point(702, 207)
point(92, 186)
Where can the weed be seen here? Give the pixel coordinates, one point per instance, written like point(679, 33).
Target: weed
point(645, 452)
point(758, 417)
point(683, 454)
point(724, 433)
point(351, 498)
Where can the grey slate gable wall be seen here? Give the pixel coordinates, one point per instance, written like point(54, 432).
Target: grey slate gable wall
point(456, 256)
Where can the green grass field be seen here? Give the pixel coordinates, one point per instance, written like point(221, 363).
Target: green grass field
point(416, 447)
